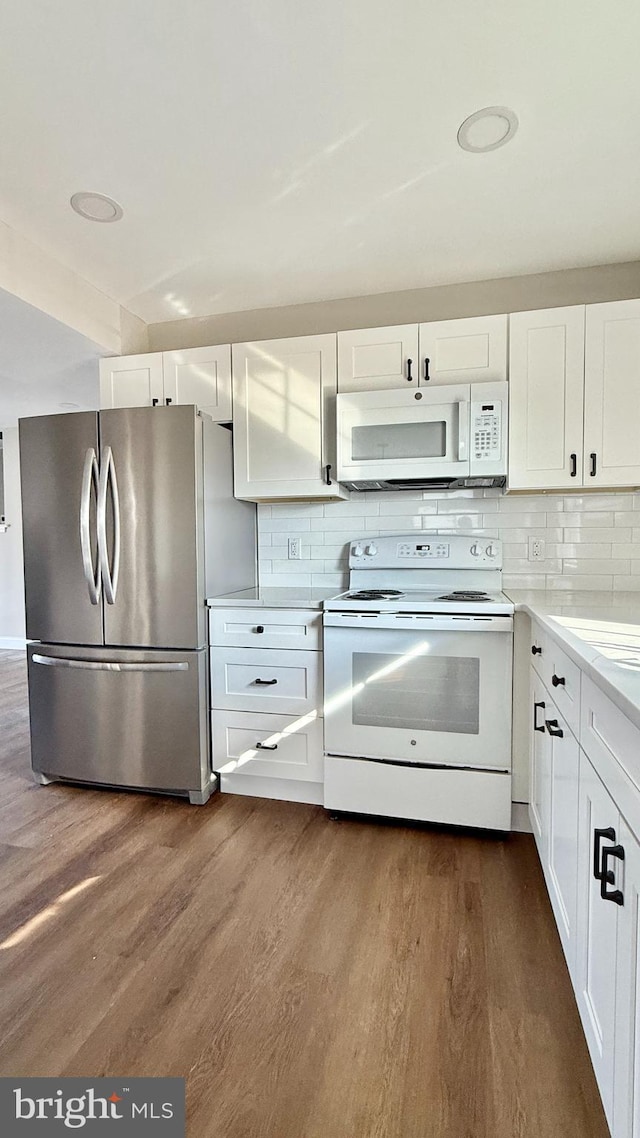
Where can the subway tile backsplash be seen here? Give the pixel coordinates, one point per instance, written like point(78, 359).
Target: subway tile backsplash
point(592, 541)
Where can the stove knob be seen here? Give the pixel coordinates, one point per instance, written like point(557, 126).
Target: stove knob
point(491, 551)
point(371, 550)
point(475, 550)
point(357, 550)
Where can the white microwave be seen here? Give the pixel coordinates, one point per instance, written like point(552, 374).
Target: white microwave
point(433, 438)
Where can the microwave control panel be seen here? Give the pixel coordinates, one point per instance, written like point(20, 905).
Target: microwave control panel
point(487, 440)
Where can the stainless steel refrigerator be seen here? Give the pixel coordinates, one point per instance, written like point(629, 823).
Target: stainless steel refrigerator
point(129, 523)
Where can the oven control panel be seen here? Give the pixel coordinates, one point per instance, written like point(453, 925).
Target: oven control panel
point(422, 550)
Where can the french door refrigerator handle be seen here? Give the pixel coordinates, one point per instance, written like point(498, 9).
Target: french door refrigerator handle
point(90, 476)
point(106, 666)
point(108, 478)
point(463, 429)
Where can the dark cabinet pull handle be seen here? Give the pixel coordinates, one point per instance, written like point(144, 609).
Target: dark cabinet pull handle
point(553, 729)
point(265, 683)
point(609, 877)
point(409, 375)
point(608, 833)
point(154, 402)
point(327, 475)
point(594, 458)
point(266, 746)
point(260, 628)
point(537, 726)
point(426, 369)
point(558, 681)
point(168, 401)
point(574, 465)
point(535, 651)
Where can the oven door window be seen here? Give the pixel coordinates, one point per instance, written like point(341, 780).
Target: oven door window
point(387, 441)
point(418, 693)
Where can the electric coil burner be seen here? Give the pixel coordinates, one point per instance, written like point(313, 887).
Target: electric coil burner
point(417, 657)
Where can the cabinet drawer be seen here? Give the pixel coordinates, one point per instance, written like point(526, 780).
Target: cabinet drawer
point(562, 679)
point(290, 681)
point(612, 743)
point(292, 746)
point(538, 649)
point(265, 628)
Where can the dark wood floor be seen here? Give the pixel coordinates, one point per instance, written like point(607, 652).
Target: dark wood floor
point(311, 979)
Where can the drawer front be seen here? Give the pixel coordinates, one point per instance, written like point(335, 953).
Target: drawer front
point(562, 678)
point(247, 679)
point(292, 747)
point(265, 628)
point(612, 743)
point(538, 649)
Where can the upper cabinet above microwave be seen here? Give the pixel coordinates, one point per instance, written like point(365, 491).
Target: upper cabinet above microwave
point(420, 355)
point(575, 397)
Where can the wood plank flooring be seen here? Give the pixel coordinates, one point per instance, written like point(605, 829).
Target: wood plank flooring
point(310, 978)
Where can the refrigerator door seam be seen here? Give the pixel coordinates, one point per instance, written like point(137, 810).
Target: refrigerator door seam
point(110, 572)
point(90, 476)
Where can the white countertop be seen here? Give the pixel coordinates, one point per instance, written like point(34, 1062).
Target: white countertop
point(600, 632)
point(273, 598)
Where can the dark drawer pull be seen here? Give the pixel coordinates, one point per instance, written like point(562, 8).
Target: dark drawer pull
point(608, 833)
point(426, 368)
point(265, 683)
point(154, 402)
point(557, 681)
point(594, 459)
point(535, 651)
point(266, 746)
point(553, 729)
point(574, 465)
point(537, 726)
point(409, 375)
point(327, 475)
point(609, 877)
point(260, 628)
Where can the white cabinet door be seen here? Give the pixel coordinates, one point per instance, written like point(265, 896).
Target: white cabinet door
point(462, 351)
point(131, 381)
point(373, 358)
point(546, 382)
point(612, 394)
point(562, 875)
point(201, 376)
point(597, 930)
point(284, 394)
point(626, 1107)
point(540, 757)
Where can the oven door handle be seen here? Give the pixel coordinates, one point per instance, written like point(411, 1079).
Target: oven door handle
point(417, 622)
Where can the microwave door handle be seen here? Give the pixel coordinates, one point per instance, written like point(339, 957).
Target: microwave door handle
point(463, 430)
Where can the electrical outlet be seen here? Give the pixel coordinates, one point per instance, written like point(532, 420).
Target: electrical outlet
point(295, 549)
point(536, 549)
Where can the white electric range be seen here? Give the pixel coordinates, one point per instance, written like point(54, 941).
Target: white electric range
point(418, 666)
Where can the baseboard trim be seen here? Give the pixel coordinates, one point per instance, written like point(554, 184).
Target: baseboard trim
point(520, 821)
point(17, 642)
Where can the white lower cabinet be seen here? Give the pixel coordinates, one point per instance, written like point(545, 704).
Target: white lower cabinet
point(585, 815)
point(266, 702)
point(597, 931)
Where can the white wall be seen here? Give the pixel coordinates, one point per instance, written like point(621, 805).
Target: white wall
point(592, 540)
point(12, 625)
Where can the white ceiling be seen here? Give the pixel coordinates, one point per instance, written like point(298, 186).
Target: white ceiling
point(272, 153)
point(43, 364)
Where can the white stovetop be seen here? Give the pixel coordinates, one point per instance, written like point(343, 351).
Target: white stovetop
point(420, 600)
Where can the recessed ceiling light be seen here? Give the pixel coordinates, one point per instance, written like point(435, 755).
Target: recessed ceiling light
point(96, 207)
point(487, 129)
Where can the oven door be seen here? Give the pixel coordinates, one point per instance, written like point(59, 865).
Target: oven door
point(404, 434)
point(432, 690)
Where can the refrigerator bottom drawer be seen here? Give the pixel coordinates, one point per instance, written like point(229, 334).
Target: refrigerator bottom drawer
point(134, 718)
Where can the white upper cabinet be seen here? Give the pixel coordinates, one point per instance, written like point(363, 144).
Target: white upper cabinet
point(131, 381)
point(612, 395)
point(546, 382)
point(284, 395)
point(191, 375)
point(463, 351)
point(201, 376)
point(374, 358)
